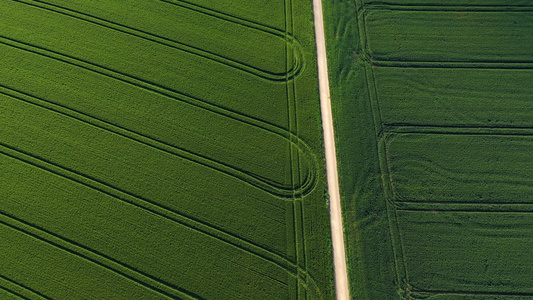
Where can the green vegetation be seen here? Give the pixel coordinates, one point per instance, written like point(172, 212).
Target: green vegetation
point(441, 96)
point(369, 254)
point(485, 254)
point(443, 4)
point(488, 35)
point(161, 150)
point(448, 167)
point(433, 120)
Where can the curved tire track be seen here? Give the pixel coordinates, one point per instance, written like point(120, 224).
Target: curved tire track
point(157, 209)
point(289, 38)
point(243, 175)
point(272, 76)
point(203, 228)
point(292, 73)
point(273, 188)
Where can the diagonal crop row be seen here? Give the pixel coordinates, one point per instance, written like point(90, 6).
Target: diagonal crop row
point(284, 192)
point(271, 187)
point(95, 257)
point(20, 290)
point(151, 207)
point(156, 209)
point(272, 76)
point(14, 293)
point(297, 54)
point(287, 36)
point(249, 178)
point(144, 204)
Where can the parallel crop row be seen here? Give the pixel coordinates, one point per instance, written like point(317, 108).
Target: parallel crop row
point(463, 72)
point(160, 149)
point(436, 97)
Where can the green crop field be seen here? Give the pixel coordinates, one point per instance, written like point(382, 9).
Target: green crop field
point(433, 107)
point(161, 149)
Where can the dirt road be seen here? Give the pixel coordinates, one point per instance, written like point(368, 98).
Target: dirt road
point(337, 232)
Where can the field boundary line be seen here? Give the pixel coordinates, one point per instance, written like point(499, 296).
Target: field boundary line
point(161, 40)
point(311, 179)
point(403, 287)
point(156, 209)
point(246, 177)
point(465, 207)
point(34, 294)
point(458, 130)
point(408, 290)
point(104, 261)
point(420, 294)
point(462, 133)
point(419, 64)
point(379, 5)
point(342, 289)
point(466, 203)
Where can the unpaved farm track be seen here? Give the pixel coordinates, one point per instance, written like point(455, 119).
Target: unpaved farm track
point(337, 232)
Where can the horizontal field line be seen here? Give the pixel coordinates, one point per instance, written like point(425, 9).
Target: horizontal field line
point(151, 207)
point(455, 206)
point(31, 291)
point(102, 260)
point(456, 126)
point(161, 40)
point(433, 293)
point(219, 166)
point(403, 128)
point(383, 5)
point(418, 64)
point(306, 187)
point(460, 202)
